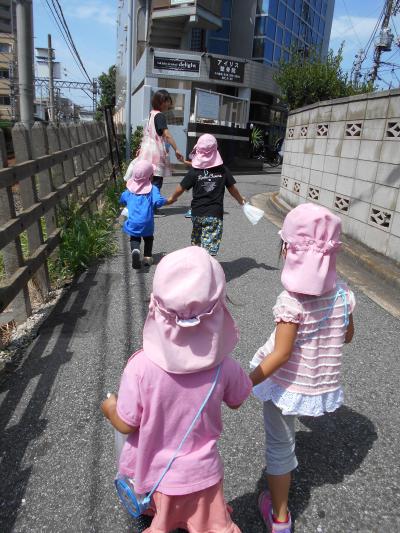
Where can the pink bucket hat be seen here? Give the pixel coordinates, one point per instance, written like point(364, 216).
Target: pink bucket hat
point(311, 233)
point(139, 182)
point(188, 327)
point(205, 153)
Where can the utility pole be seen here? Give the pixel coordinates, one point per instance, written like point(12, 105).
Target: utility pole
point(25, 60)
point(356, 72)
point(128, 118)
point(51, 79)
point(385, 39)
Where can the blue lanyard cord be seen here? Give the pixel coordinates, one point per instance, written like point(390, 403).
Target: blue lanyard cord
point(339, 293)
point(148, 497)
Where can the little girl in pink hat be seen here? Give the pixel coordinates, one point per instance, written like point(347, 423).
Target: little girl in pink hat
point(175, 386)
point(297, 371)
point(141, 199)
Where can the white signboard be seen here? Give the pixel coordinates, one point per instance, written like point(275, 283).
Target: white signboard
point(42, 69)
point(207, 105)
point(178, 2)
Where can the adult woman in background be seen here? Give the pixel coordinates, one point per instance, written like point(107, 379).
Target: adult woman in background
point(158, 131)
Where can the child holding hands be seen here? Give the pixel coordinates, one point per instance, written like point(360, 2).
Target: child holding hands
point(178, 381)
point(208, 178)
point(297, 371)
point(141, 199)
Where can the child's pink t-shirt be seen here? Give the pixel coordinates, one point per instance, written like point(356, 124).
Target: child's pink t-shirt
point(163, 406)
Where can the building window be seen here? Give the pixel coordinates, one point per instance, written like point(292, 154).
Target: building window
point(224, 32)
point(289, 19)
point(282, 12)
point(262, 7)
point(197, 40)
point(288, 39)
point(4, 73)
point(218, 46)
point(4, 100)
point(271, 26)
point(227, 9)
point(273, 8)
point(263, 49)
point(261, 26)
point(5, 47)
point(279, 35)
point(268, 50)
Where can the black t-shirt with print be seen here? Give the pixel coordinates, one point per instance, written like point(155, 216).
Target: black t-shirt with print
point(160, 123)
point(208, 189)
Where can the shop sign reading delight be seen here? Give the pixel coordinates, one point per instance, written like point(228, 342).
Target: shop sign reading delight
point(185, 66)
point(226, 69)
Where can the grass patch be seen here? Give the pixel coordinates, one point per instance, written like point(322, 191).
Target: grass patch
point(86, 237)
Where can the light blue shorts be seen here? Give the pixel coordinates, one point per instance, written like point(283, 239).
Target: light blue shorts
point(280, 440)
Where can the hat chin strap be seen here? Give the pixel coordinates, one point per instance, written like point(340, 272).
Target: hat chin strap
point(182, 322)
point(187, 322)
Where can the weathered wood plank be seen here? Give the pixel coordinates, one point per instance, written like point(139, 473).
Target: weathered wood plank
point(34, 263)
point(16, 225)
point(12, 253)
point(12, 175)
point(28, 194)
point(40, 147)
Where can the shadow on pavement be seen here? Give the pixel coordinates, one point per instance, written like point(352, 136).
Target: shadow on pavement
point(45, 363)
point(238, 267)
point(335, 446)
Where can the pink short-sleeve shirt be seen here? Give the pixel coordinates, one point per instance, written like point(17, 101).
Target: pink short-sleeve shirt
point(163, 406)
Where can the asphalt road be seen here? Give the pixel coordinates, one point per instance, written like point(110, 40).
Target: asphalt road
point(57, 459)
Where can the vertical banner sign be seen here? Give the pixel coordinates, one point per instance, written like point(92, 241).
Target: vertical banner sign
point(226, 69)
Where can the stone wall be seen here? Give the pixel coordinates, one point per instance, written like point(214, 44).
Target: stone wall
point(345, 154)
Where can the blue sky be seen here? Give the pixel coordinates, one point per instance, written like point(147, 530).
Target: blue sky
point(353, 23)
point(93, 27)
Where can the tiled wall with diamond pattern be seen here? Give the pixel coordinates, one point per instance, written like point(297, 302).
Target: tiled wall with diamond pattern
point(345, 154)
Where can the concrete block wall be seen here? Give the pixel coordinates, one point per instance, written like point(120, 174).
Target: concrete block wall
point(345, 154)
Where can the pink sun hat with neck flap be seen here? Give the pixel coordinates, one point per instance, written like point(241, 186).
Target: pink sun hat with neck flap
point(205, 153)
point(189, 328)
point(311, 234)
point(140, 180)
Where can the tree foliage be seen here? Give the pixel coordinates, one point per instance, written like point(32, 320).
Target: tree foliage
point(307, 79)
point(107, 90)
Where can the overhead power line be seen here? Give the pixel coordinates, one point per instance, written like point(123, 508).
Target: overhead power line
point(60, 13)
point(66, 35)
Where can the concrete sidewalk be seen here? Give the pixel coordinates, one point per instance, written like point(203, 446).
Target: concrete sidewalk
point(57, 451)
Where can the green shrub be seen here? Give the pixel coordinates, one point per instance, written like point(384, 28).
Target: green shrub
point(305, 80)
point(136, 139)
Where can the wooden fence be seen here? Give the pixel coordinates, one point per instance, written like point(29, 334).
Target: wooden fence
point(54, 165)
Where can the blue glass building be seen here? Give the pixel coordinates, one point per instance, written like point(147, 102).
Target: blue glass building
point(284, 25)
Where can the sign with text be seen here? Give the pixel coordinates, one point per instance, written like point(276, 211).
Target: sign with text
point(176, 66)
point(226, 69)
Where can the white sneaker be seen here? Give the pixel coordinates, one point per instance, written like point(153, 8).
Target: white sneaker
point(148, 261)
point(136, 259)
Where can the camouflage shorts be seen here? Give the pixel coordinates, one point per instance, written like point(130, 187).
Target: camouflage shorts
point(207, 233)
